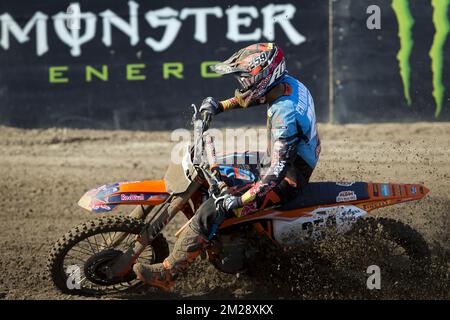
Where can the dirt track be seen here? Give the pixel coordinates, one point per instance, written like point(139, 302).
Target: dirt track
point(44, 172)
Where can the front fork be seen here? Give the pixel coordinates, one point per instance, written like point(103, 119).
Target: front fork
point(155, 222)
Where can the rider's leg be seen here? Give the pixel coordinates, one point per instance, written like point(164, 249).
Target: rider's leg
point(190, 243)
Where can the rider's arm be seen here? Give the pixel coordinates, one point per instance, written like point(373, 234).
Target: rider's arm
point(229, 104)
point(284, 149)
point(232, 103)
point(211, 107)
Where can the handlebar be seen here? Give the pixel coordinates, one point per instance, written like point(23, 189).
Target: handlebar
point(210, 149)
point(204, 146)
point(202, 138)
point(206, 118)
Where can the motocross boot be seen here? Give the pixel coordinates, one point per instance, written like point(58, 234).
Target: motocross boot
point(187, 248)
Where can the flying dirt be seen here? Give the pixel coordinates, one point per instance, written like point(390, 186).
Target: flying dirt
point(45, 171)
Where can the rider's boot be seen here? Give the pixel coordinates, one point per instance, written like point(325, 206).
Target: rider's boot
point(187, 248)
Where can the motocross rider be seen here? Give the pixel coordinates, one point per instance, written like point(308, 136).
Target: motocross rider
point(293, 152)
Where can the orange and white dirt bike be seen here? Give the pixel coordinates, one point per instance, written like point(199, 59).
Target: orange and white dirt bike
point(96, 257)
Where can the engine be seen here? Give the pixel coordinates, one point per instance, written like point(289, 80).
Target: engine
point(233, 252)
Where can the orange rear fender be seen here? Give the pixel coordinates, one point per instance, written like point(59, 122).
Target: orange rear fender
point(387, 194)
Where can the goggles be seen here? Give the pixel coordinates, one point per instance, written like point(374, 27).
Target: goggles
point(246, 80)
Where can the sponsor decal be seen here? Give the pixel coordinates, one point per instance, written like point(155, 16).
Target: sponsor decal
point(413, 190)
point(345, 183)
point(385, 190)
point(127, 182)
point(375, 190)
point(138, 25)
point(375, 205)
point(104, 190)
point(406, 26)
point(344, 196)
point(132, 197)
point(108, 191)
point(232, 172)
point(99, 205)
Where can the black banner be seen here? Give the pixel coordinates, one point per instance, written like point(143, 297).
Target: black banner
point(140, 64)
point(400, 72)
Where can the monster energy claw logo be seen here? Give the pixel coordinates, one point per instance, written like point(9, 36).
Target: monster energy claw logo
point(442, 28)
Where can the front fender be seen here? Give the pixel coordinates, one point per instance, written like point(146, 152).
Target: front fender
point(107, 197)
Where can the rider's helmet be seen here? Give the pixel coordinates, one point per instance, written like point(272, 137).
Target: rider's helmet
point(257, 67)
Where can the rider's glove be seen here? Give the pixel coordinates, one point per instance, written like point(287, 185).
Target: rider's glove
point(210, 107)
point(227, 203)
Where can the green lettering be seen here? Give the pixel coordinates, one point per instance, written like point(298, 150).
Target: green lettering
point(173, 68)
point(55, 74)
point(134, 72)
point(204, 69)
point(103, 75)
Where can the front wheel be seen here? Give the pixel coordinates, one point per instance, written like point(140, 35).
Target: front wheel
point(78, 260)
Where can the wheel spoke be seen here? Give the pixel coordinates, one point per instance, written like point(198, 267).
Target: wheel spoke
point(81, 250)
point(90, 245)
point(96, 244)
point(76, 258)
point(104, 241)
point(129, 241)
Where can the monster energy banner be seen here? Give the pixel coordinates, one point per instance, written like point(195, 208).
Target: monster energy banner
point(140, 64)
point(133, 64)
point(397, 72)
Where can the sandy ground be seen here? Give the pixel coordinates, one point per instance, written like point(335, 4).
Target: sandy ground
point(43, 173)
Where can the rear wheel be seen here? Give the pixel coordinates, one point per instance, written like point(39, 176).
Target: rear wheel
point(340, 265)
point(393, 238)
point(83, 254)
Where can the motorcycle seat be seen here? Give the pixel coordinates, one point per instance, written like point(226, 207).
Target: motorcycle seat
point(325, 193)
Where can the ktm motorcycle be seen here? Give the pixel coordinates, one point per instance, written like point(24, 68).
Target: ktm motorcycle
point(96, 257)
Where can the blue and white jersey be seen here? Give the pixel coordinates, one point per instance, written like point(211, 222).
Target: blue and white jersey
point(292, 123)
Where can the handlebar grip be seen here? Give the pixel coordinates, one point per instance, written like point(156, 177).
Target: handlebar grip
point(210, 149)
point(206, 118)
